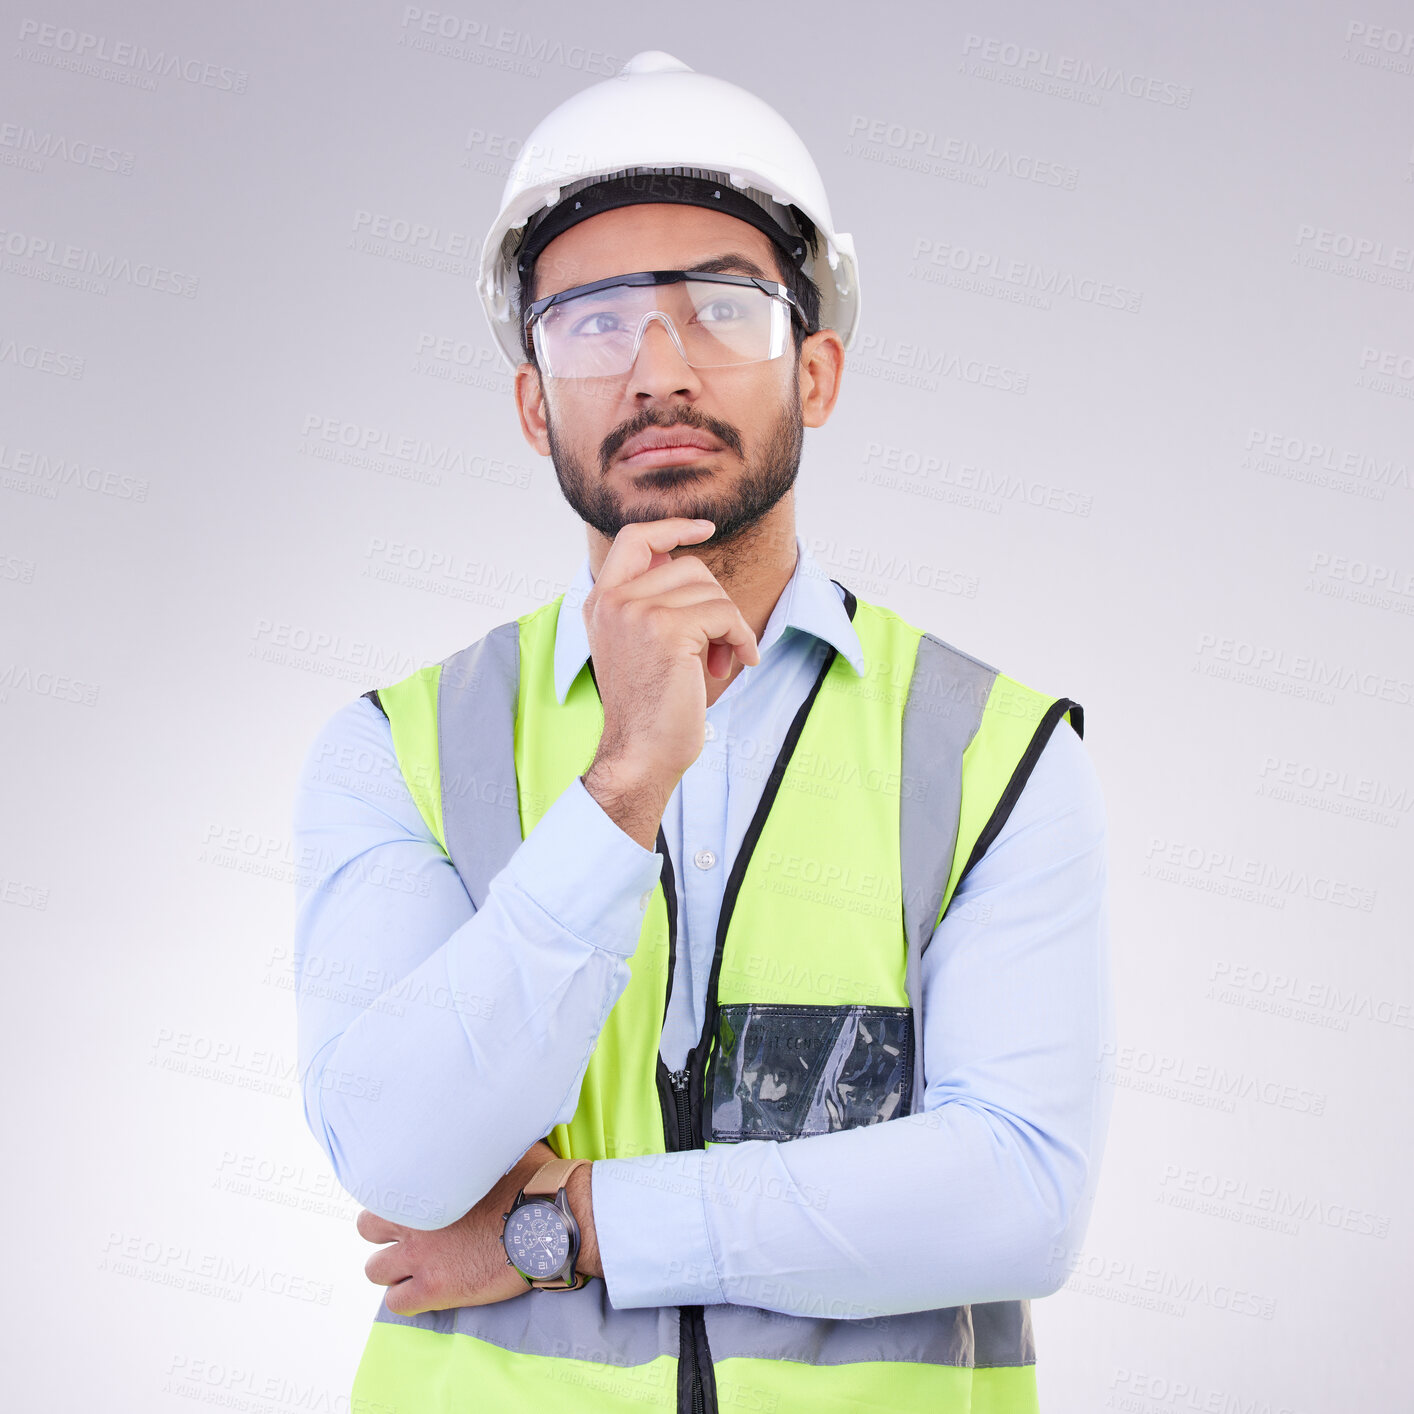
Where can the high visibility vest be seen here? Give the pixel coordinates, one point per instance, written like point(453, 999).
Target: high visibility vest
point(888, 788)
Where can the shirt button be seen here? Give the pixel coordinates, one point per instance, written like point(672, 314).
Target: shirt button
point(704, 859)
point(643, 900)
point(711, 732)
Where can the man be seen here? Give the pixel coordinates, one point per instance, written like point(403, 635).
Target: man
point(721, 961)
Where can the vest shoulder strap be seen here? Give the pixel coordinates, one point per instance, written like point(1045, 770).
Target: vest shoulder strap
point(453, 726)
point(971, 738)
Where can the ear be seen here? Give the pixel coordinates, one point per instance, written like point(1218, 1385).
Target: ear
point(530, 404)
point(821, 368)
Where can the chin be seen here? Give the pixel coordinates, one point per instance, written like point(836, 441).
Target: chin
point(666, 477)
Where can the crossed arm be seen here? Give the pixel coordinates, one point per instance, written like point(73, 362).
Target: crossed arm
point(464, 1264)
point(491, 1015)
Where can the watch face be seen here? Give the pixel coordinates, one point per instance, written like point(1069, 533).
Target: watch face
point(537, 1239)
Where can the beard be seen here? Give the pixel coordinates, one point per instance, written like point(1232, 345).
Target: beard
point(766, 479)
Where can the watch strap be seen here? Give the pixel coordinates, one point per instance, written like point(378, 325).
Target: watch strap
point(559, 1283)
point(550, 1177)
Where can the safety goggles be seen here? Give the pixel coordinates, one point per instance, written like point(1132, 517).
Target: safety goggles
point(714, 320)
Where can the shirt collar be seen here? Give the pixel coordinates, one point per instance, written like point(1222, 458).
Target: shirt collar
point(809, 602)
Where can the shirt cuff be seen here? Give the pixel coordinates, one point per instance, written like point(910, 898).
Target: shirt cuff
point(650, 1219)
point(586, 872)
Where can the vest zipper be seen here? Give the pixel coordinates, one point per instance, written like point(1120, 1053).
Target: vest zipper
point(679, 1080)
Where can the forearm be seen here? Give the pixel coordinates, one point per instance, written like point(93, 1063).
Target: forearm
point(427, 1097)
point(964, 1202)
point(946, 1208)
point(438, 1042)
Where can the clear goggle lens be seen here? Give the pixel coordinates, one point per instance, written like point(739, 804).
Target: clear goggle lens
point(713, 323)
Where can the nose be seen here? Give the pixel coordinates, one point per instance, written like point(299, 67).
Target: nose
point(660, 369)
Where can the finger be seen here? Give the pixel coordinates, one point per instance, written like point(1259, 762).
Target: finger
point(682, 596)
point(388, 1266)
point(719, 659)
point(718, 621)
point(377, 1229)
point(407, 1298)
point(635, 545)
point(669, 573)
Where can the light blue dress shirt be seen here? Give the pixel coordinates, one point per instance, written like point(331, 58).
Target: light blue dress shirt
point(438, 1042)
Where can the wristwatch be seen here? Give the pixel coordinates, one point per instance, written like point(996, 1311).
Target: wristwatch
point(540, 1234)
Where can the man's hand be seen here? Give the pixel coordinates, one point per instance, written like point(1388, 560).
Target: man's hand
point(657, 626)
point(465, 1264)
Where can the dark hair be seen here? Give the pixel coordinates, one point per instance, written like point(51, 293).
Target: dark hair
point(792, 276)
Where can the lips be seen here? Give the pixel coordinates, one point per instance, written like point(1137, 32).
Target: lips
point(659, 446)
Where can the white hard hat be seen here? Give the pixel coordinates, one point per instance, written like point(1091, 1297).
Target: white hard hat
point(659, 116)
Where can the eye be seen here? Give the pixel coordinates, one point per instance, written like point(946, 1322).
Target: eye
point(719, 311)
point(601, 321)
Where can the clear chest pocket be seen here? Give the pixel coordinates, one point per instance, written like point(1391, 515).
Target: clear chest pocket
point(785, 1072)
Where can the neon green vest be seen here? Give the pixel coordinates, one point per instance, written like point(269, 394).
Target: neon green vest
point(888, 787)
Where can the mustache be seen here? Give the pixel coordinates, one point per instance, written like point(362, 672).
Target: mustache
point(724, 432)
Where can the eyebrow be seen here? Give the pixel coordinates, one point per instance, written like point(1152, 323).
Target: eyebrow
point(732, 261)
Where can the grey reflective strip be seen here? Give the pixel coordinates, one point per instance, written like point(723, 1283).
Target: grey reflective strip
point(582, 1325)
point(476, 720)
point(1002, 1333)
point(942, 1337)
point(573, 1325)
point(946, 696)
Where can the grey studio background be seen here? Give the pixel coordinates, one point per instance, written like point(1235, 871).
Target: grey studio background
point(1129, 417)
